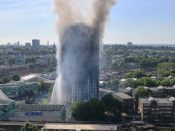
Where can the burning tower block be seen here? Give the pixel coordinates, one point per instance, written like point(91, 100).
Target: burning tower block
point(79, 63)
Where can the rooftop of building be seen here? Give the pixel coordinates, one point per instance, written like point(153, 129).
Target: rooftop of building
point(158, 100)
point(15, 84)
point(160, 88)
point(28, 77)
point(79, 127)
point(105, 90)
point(39, 107)
point(122, 95)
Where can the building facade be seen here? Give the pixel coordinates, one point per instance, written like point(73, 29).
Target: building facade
point(157, 110)
point(79, 63)
point(38, 113)
point(35, 43)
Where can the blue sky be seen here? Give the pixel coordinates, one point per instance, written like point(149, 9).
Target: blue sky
point(139, 21)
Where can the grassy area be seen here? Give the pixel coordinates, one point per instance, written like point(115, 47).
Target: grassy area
point(45, 101)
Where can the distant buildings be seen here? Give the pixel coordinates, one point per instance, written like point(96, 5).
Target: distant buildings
point(35, 43)
point(27, 45)
point(130, 44)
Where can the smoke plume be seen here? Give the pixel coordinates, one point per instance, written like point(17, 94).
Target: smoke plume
point(81, 28)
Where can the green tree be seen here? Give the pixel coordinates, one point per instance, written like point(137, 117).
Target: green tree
point(113, 84)
point(141, 92)
point(16, 77)
point(138, 82)
point(113, 108)
point(43, 87)
point(29, 100)
point(29, 127)
point(1, 82)
point(165, 69)
point(5, 79)
point(167, 82)
point(30, 60)
point(92, 110)
point(136, 74)
point(149, 82)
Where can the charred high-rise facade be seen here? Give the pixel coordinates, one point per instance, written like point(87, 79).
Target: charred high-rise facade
point(80, 62)
point(80, 38)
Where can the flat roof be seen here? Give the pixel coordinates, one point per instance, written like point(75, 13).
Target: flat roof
point(105, 90)
point(122, 95)
point(90, 127)
point(28, 77)
point(159, 100)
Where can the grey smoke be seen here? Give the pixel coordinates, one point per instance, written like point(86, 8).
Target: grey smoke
point(78, 51)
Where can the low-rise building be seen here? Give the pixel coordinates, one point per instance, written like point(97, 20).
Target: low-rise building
point(38, 113)
point(157, 110)
point(162, 91)
point(79, 127)
point(126, 100)
point(141, 126)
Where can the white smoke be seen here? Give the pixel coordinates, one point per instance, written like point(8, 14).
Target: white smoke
point(79, 21)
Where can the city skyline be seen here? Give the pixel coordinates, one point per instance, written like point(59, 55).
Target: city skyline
point(138, 21)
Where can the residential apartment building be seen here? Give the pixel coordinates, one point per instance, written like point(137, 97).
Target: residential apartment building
point(157, 110)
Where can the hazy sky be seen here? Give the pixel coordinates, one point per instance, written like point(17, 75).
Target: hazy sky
point(139, 21)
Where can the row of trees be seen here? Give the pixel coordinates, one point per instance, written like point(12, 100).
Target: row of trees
point(136, 74)
point(29, 93)
point(148, 62)
point(6, 79)
point(164, 69)
point(148, 82)
point(108, 109)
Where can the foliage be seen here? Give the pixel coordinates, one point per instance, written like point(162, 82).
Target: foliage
point(107, 109)
point(136, 74)
point(5, 80)
point(149, 62)
point(30, 60)
point(149, 82)
point(113, 84)
point(29, 100)
point(144, 62)
point(113, 108)
point(165, 69)
point(145, 81)
point(1, 82)
point(16, 77)
point(29, 127)
point(92, 110)
point(168, 82)
point(43, 87)
point(141, 92)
